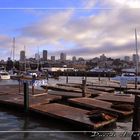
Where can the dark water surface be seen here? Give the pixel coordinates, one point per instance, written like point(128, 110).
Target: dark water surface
point(42, 128)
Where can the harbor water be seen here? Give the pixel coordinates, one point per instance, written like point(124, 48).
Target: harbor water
point(14, 125)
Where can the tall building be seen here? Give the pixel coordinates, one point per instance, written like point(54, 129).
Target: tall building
point(45, 55)
point(22, 55)
point(103, 57)
point(74, 58)
point(63, 56)
point(52, 58)
point(127, 58)
point(135, 58)
point(37, 56)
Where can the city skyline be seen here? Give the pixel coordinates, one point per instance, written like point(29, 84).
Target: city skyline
point(81, 28)
point(63, 57)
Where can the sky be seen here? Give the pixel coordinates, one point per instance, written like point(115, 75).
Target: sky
point(81, 28)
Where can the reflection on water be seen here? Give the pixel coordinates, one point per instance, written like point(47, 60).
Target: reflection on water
point(10, 121)
point(16, 121)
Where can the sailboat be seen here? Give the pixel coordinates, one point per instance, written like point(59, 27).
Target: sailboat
point(36, 73)
point(130, 77)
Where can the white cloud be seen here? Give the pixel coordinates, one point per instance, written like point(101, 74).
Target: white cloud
point(94, 31)
point(129, 3)
point(107, 31)
point(88, 4)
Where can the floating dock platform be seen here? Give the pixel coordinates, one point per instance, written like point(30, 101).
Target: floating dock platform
point(117, 98)
point(42, 104)
point(72, 115)
point(98, 104)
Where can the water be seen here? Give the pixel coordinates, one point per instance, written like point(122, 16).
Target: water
point(16, 123)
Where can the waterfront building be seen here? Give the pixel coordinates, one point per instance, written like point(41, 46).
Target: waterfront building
point(103, 57)
point(22, 55)
point(135, 58)
point(74, 58)
point(45, 55)
point(127, 58)
point(53, 58)
point(37, 56)
point(63, 56)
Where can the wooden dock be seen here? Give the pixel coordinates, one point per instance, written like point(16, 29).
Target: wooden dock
point(89, 93)
point(72, 92)
point(77, 87)
point(10, 94)
point(110, 97)
point(46, 103)
point(65, 94)
point(72, 115)
point(98, 104)
point(41, 103)
point(133, 91)
point(59, 88)
point(111, 84)
point(102, 89)
point(18, 99)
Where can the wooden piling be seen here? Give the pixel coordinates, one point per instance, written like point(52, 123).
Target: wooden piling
point(26, 97)
point(33, 90)
point(85, 76)
point(67, 78)
point(83, 87)
point(19, 84)
point(33, 80)
point(99, 77)
point(109, 75)
point(136, 120)
point(47, 74)
point(136, 80)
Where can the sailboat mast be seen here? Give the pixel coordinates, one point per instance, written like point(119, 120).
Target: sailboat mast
point(13, 48)
point(38, 60)
point(25, 57)
point(137, 63)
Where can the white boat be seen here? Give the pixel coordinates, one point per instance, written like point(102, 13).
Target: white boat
point(129, 77)
point(31, 73)
point(4, 75)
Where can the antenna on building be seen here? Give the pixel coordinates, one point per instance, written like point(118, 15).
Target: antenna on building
point(137, 63)
point(38, 59)
point(25, 56)
point(13, 48)
point(11, 52)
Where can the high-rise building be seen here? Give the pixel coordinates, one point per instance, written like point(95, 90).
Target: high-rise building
point(37, 56)
point(45, 55)
point(127, 58)
point(103, 57)
point(74, 58)
point(135, 58)
point(52, 58)
point(22, 55)
point(63, 56)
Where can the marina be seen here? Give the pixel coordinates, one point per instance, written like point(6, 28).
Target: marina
point(51, 104)
point(42, 104)
point(69, 70)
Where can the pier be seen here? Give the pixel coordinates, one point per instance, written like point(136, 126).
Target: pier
point(118, 98)
point(98, 104)
point(66, 102)
point(42, 103)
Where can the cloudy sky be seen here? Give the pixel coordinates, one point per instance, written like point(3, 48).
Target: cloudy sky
point(84, 28)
